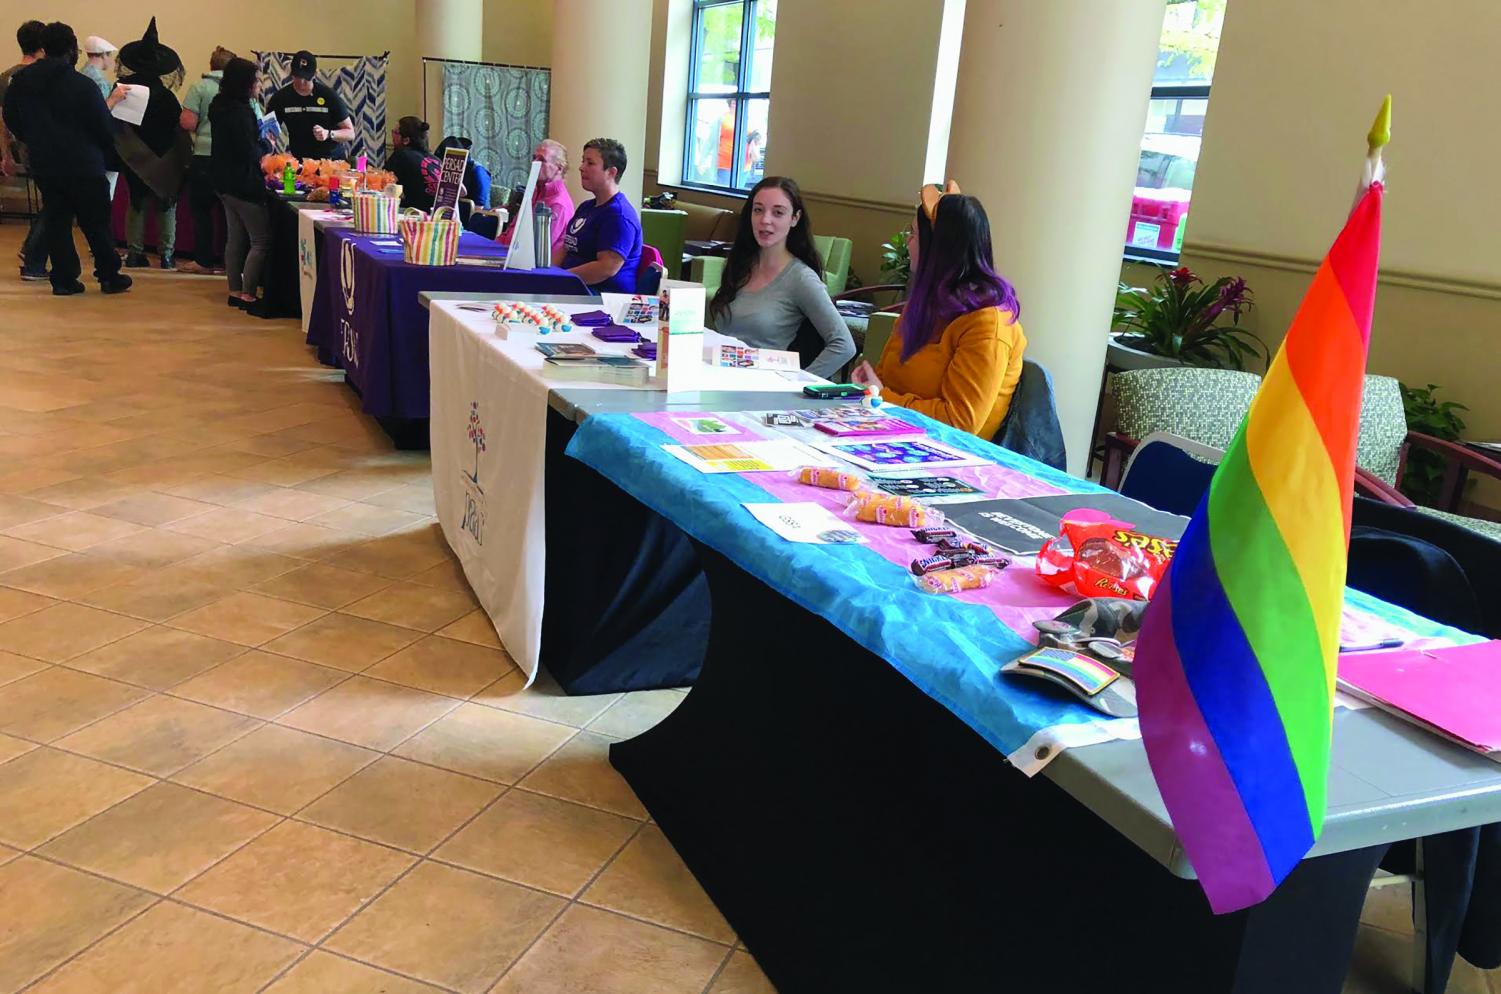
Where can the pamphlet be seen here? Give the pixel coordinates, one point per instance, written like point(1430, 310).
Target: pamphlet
point(565, 350)
point(901, 453)
point(132, 110)
point(748, 457)
point(805, 521)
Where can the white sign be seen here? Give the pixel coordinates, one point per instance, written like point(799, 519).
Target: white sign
point(524, 252)
point(805, 521)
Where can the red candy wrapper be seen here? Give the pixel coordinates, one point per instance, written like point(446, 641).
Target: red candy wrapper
point(1105, 559)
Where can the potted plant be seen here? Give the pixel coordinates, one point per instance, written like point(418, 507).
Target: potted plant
point(1423, 478)
point(1183, 322)
point(896, 261)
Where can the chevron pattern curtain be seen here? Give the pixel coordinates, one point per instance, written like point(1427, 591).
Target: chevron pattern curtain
point(361, 84)
point(503, 110)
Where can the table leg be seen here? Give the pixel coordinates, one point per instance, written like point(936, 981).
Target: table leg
point(859, 837)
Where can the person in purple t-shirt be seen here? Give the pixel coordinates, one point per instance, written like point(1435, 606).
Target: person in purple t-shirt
point(602, 245)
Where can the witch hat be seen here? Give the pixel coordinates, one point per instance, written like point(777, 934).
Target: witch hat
point(149, 56)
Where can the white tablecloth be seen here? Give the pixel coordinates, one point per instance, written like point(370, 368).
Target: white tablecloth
point(309, 224)
point(488, 434)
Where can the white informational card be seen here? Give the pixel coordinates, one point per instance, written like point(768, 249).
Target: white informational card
point(890, 454)
point(748, 457)
point(524, 252)
point(132, 110)
point(805, 521)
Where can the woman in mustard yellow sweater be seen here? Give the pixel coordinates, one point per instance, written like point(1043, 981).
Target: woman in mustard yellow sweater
point(956, 353)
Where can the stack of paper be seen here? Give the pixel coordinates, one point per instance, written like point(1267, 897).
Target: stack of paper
point(1453, 691)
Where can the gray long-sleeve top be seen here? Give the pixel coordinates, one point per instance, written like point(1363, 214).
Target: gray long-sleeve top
point(769, 318)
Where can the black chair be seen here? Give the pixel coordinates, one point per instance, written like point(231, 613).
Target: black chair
point(1031, 426)
point(1445, 572)
point(1170, 473)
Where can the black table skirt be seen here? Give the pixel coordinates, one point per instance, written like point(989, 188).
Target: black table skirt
point(281, 279)
point(859, 837)
point(625, 604)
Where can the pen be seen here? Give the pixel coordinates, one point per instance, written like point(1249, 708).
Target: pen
point(1383, 644)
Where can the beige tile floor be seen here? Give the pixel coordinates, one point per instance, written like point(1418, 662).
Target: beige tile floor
point(254, 733)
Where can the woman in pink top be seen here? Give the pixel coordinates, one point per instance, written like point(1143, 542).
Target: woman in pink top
point(552, 190)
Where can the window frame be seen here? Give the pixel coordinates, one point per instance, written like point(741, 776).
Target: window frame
point(1167, 91)
point(740, 95)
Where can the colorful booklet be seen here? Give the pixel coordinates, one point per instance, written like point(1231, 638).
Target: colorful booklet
point(867, 428)
point(566, 350)
point(900, 453)
point(1453, 691)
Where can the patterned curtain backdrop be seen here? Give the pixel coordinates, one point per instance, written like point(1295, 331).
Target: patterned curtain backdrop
point(503, 110)
point(361, 84)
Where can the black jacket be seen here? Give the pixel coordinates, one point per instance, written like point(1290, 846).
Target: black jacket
point(60, 115)
point(406, 165)
point(159, 128)
point(235, 163)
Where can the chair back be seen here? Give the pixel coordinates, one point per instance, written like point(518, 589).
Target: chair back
point(1430, 566)
point(649, 272)
point(707, 224)
point(836, 261)
point(665, 230)
point(708, 270)
point(878, 331)
point(1202, 405)
point(1031, 426)
point(1383, 429)
point(1170, 473)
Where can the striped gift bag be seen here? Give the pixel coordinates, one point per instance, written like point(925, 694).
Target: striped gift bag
point(430, 241)
point(375, 213)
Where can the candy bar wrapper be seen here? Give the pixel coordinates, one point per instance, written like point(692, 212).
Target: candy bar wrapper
point(1105, 559)
point(889, 509)
point(951, 581)
point(823, 476)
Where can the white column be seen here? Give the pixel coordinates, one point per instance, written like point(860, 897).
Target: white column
point(1048, 117)
point(600, 54)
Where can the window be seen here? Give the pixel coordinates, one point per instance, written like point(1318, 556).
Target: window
point(729, 93)
point(1175, 124)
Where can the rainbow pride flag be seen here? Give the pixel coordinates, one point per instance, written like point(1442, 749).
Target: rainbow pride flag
point(1235, 662)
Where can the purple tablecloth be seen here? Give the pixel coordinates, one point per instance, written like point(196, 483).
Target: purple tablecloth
point(367, 321)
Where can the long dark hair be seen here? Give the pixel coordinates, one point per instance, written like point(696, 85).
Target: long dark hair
point(955, 272)
point(745, 251)
point(238, 81)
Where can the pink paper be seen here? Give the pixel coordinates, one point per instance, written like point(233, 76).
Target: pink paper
point(671, 423)
point(1455, 688)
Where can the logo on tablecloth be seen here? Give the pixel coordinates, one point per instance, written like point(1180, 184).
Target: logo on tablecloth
point(351, 344)
point(346, 275)
point(305, 256)
point(474, 494)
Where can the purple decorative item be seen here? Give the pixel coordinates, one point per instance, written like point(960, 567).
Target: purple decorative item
point(615, 333)
point(593, 319)
point(646, 350)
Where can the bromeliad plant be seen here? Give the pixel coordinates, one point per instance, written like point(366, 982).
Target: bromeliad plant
point(1183, 318)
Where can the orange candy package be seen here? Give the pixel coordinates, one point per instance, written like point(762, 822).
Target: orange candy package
point(1105, 558)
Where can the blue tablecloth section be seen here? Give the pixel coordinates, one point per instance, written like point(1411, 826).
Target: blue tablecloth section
point(367, 321)
point(951, 650)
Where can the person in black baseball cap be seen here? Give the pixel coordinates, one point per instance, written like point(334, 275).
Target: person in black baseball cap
point(315, 118)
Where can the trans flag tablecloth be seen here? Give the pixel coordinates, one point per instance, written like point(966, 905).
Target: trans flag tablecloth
point(951, 647)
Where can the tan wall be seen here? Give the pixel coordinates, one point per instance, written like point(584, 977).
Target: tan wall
point(193, 30)
point(518, 32)
point(1295, 88)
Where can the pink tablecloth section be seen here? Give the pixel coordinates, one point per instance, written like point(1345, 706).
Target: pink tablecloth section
point(1017, 597)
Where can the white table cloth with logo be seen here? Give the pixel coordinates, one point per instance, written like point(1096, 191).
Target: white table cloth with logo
point(310, 222)
point(489, 399)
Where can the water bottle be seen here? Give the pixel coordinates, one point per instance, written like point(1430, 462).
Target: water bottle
point(288, 180)
point(542, 234)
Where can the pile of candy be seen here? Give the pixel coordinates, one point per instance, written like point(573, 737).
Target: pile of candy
point(545, 319)
point(1105, 558)
point(957, 564)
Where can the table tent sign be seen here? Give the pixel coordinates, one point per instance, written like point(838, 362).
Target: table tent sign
point(1236, 660)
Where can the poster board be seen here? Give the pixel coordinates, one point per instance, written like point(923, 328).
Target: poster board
point(523, 254)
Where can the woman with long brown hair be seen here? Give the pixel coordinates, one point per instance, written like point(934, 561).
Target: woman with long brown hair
point(773, 280)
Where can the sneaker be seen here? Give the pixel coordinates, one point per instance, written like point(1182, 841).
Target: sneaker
point(118, 284)
point(137, 260)
point(34, 275)
point(68, 289)
point(169, 260)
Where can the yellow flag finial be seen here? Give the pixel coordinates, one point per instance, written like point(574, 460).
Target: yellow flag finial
point(1381, 128)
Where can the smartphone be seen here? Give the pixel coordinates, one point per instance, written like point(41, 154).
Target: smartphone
point(833, 391)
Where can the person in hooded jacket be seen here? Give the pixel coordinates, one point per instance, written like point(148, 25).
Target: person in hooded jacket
point(69, 134)
point(235, 164)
